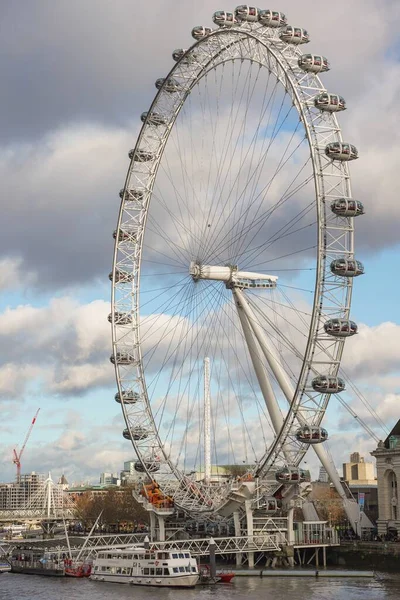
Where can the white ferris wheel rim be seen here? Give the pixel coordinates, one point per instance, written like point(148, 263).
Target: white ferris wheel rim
point(335, 235)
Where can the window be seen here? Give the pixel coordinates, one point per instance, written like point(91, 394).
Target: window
point(166, 572)
point(159, 571)
point(194, 570)
point(146, 571)
point(181, 569)
point(176, 570)
point(152, 571)
point(181, 555)
point(174, 556)
point(187, 569)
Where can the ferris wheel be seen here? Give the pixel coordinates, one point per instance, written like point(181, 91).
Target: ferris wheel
point(234, 262)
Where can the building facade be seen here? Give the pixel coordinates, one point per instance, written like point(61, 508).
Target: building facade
point(387, 457)
point(358, 472)
point(16, 495)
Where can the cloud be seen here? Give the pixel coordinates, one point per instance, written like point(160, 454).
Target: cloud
point(64, 345)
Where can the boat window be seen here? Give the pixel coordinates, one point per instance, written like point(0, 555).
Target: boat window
point(129, 556)
point(166, 572)
point(187, 555)
point(146, 571)
point(176, 570)
point(194, 570)
point(174, 556)
point(96, 568)
point(118, 571)
point(181, 569)
point(187, 569)
point(109, 555)
point(159, 571)
point(181, 555)
point(152, 571)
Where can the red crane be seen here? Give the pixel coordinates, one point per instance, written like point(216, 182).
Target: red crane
point(17, 455)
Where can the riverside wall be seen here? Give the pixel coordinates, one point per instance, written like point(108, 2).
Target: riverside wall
point(378, 556)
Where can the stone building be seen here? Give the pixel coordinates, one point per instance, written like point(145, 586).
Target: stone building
point(358, 472)
point(387, 457)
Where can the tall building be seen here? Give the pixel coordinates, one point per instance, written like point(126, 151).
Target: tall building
point(323, 475)
point(358, 472)
point(16, 495)
point(109, 479)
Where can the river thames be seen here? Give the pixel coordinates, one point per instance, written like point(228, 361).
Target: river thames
point(28, 587)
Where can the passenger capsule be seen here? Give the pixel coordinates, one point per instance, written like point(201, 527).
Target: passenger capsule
point(120, 318)
point(121, 276)
point(246, 13)
point(128, 235)
point(171, 85)
point(345, 207)
point(271, 18)
point(294, 35)
point(345, 267)
point(128, 397)
point(135, 195)
point(327, 384)
point(141, 155)
point(189, 59)
point(151, 467)
point(122, 358)
point(137, 433)
point(313, 63)
point(330, 102)
point(292, 475)
point(311, 435)
point(153, 118)
point(341, 151)
point(224, 19)
point(271, 505)
point(340, 328)
point(200, 32)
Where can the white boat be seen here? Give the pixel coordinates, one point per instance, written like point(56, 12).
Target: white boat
point(138, 566)
point(4, 567)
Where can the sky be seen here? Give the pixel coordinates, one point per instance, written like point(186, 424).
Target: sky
point(75, 78)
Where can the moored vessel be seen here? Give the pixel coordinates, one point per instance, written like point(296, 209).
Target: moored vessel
point(140, 566)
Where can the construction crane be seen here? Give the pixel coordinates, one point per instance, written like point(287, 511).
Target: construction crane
point(17, 455)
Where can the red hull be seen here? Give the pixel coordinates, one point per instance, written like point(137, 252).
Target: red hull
point(78, 571)
point(225, 577)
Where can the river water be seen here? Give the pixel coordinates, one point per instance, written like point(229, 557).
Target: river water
point(31, 587)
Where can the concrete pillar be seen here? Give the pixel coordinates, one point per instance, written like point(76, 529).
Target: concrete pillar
point(161, 528)
point(236, 522)
point(250, 531)
point(213, 564)
point(290, 530)
point(152, 525)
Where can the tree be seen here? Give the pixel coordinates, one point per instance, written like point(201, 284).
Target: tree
point(117, 505)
